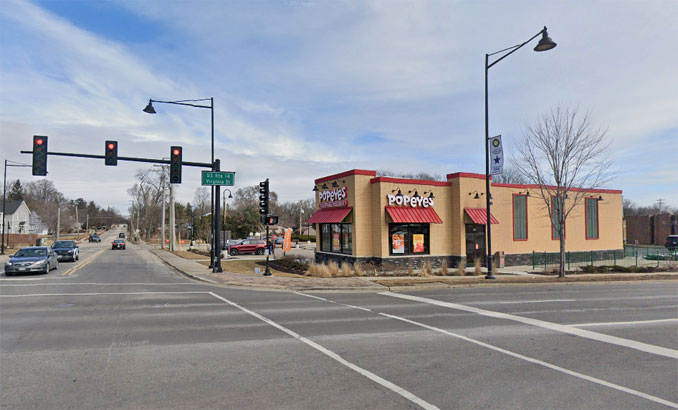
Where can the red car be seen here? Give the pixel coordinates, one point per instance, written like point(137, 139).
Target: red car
point(256, 246)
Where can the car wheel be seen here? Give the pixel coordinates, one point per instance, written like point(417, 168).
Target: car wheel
point(234, 252)
point(77, 257)
point(9, 273)
point(56, 266)
point(259, 251)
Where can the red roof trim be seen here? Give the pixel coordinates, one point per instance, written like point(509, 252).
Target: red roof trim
point(466, 175)
point(408, 181)
point(329, 215)
point(534, 186)
point(479, 215)
point(347, 174)
point(402, 214)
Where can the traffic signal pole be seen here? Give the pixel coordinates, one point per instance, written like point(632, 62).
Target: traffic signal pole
point(217, 223)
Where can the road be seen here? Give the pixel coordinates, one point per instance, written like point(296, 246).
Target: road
point(120, 330)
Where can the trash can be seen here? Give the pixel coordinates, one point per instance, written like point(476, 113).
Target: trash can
point(499, 259)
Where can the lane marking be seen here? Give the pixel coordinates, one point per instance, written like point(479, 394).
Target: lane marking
point(98, 284)
point(101, 294)
point(643, 347)
point(311, 296)
point(634, 322)
point(541, 363)
point(24, 279)
point(83, 264)
point(331, 301)
point(377, 379)
point(526, 301)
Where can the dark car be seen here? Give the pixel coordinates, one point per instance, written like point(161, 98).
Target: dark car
point(66, 250)
point(672, 242)
point(94, 238)
point(121, 235)
point(118, 244)
point(256, 246)
point(34, 259)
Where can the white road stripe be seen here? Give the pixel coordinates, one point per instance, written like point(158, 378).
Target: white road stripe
point(68, 283)
point(100, 294)
point(527, 301)
point(356, 307)
point(24, 279)
point(643, 347)
point(311, 296)
point(541, 363)
point(635, 322)
point(397, 389)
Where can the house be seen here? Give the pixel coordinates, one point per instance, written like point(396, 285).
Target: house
point(17, 216)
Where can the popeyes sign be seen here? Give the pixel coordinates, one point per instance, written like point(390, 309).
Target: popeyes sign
point(333, 199)
point(412, 201)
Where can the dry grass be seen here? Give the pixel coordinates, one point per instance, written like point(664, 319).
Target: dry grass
point(318, 271)
point(461, 269)
point(444, 269)
point(426, 269)
point(333, 267)
point(346, 270)
point(190, 255)
point(358, 268)
point(476, 268)
point(410, 270)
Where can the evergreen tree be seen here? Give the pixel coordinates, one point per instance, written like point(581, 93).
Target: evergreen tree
point(16, 193)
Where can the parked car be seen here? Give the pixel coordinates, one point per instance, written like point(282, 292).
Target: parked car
point(94, 238)
point(279, 240)
point(67, 250)
point(672, 242)
point(118, 244)
point(33, 259)
point(256, 246)
point(229, 242)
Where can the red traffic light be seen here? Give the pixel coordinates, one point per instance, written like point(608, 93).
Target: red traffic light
point(176, 151)
point(39, 141)
point(111, 146)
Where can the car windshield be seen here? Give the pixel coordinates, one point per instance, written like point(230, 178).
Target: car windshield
point(24, 253)
point(63, 244)
point(119, 241)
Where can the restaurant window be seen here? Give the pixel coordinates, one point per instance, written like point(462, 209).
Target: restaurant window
point(556, 207)
point(591, 218)
point(336, 238)
point(408, 239)
point(519, 217)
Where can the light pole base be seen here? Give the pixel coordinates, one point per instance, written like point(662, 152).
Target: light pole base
point(490, 276)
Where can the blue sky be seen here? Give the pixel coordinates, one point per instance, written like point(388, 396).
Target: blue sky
point(304, 89)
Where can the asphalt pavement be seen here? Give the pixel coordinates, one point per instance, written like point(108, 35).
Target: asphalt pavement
point(123, 330)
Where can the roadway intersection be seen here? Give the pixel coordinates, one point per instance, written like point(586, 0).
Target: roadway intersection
point(119, 329)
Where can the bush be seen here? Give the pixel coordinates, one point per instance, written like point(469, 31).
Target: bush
point(318, 271)
point(291, 265)
point(303, 238)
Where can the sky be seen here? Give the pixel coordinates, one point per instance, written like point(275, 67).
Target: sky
point(304, 89)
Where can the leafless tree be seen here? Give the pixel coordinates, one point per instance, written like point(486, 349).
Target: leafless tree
point(566, 155)
point(511, 175)
point(201, 201)
point(147, 196)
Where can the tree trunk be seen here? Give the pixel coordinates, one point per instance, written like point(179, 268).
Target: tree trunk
point(561, 228)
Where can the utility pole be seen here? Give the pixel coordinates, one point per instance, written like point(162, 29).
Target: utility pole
point(58, 222)
point(171, 221)
point(77, 224)
point(162, 230)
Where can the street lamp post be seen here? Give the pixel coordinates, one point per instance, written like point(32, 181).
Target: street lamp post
point(545, 43)
point(215, 218)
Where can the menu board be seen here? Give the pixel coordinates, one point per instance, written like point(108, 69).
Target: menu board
point(398, 243)
point(418, 243)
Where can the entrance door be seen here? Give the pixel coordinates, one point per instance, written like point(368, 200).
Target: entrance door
point(475, 244)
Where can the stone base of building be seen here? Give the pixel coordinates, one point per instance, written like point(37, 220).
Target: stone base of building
point(403, 264)
point(391, 264)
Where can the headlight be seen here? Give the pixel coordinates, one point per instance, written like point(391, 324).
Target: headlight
point(38, 263)
point(70, 251)
point(8, 263)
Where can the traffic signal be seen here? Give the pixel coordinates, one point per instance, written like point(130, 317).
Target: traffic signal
point(175, 165)
point(111, 157)
point(39, 155)
point(263, 198)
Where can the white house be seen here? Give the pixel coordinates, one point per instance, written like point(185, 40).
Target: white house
point(17, 217)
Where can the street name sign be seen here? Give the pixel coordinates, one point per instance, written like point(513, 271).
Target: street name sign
point(218, 178)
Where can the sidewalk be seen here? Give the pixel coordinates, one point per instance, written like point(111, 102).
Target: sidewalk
point(509, 275)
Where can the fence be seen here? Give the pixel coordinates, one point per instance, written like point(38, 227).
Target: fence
point(629, 256)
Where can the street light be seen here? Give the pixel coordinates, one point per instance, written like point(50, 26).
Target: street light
point(215, 218)
point(545, 43)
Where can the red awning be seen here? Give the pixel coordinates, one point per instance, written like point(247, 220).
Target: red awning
point(402, 214)
point(479, 215)
point(329, 216)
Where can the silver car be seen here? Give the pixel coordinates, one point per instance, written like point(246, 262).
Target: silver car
point(34, 259)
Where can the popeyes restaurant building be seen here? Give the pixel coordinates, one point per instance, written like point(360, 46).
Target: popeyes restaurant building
point(395, 223)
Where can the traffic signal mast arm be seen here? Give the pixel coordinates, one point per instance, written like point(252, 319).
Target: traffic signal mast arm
point(134, 159)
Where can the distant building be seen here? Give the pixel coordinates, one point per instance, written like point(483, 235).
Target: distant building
point(650, 229)
point(17, 217)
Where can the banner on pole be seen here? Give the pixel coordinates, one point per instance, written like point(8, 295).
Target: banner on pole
point(496, 155)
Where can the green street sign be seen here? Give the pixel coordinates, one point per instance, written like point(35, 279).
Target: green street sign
point(218, 178)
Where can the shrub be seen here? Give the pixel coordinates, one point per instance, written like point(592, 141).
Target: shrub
point(410, 270)
point(358, 269)
point(346, 269)
point(461, 269)
point(476, 268)
point(333, 267)
point(318, 271)
point(289, 264)
point(443, 268)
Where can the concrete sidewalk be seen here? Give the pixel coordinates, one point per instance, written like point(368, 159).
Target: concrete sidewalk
point(515, 275)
